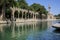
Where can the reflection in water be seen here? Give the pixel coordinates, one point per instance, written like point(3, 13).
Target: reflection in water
point(49, 24)
point(56, 31)
point(20, 30)
point(13, 30)
point(26, 31)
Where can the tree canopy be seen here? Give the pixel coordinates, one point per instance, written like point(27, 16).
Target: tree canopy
point(39, 8)
point(23, 5)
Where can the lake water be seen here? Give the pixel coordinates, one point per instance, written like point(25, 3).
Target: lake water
point(29, 31)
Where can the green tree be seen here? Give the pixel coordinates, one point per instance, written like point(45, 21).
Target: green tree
point(39, 8)
point(35, 6)
point(6, 4)
point(23, 4)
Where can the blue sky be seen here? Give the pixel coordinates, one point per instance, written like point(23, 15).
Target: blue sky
point(55, 4)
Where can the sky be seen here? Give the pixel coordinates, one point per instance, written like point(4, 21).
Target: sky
point(54, 4)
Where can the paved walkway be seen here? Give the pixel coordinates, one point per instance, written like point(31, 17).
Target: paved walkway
point(28, 20)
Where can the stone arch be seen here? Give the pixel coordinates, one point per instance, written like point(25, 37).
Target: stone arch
point(50, 17)
point(16, 14)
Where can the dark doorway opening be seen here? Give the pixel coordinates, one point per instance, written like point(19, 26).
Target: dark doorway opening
point(16, 14)
point(8, 14)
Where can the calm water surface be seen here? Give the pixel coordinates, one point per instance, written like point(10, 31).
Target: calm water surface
point(29, 31)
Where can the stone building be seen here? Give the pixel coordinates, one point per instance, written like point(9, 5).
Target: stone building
point(50, 16)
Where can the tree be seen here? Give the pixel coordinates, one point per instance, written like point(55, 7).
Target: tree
point(35, 6)
point(31, 8)
point(39, 8)
point(6, 4)
point(23, 4)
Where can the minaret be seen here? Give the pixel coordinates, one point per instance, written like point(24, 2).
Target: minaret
point(49, 8)
point(48, 11)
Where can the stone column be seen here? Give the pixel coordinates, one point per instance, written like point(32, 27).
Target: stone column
point(13, 14)
point(13, 10)
point(33, 16)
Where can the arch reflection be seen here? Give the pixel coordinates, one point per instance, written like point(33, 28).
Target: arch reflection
point(21, 30)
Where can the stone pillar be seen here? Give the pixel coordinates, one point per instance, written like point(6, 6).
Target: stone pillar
point(33, 16)
point(13, 14)
point(1, 17)
point(13, 10)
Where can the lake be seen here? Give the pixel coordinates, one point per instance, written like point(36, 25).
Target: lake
point(29, 31)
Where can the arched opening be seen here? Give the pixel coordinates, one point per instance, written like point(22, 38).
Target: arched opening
point(29, 15)
point(16, 14)
point(20, 14)
point(24, 15)
point(0, 10)
point(8, 13)
point(50, 17)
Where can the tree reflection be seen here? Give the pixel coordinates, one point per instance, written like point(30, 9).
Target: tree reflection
point(22, 30)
